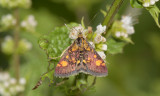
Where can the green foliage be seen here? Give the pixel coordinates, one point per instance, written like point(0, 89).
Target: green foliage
point(154, 11)
point(135, 4)
point(115, 46)
point(56, 41)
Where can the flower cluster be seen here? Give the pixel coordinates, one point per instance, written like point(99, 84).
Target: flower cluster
point(10, 86)
point(7, 22)
point(29, 23)
point(123, 29)
point(147, 3)
point(15, 3)
point(96, 39)
point(8, 46)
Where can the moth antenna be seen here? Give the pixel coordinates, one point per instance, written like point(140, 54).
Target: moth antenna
point(67, 27)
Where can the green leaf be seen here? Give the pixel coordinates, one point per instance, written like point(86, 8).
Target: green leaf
point(82, 22)
point(103, 12)
point(114, 46)
point(135, 4)
point(154, 11)
point(56, 41)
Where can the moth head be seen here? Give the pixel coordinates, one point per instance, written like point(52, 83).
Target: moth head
point(80, 34)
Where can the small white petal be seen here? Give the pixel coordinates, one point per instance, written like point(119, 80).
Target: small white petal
point(1, 90)
point(100, 29)
point(75, 31)
point(104, 47)
point(32, 20)
point(6, 84)
point(23, 24)
point(126, 20)
point(14, 22)
point(73, 35)
point(92, 44)
point(125, 35)
point(102, 55)
point(19, 88)
point(22, 81)
point(118, 34)
point(4, 76)
point(98, 38)
point(146, 4)
point(103, 39)
point(130, 30)
point(152, 2)
point(12, 90)
point(13, 81)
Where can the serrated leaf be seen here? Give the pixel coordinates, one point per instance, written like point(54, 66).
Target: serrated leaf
point(154, 11)
point(56, 41)
point(135, 4)
point(114, 46)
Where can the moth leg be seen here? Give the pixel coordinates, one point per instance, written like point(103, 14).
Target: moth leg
point(62, 82)
point(94, 82)
point(53, 58)
point(40, 81)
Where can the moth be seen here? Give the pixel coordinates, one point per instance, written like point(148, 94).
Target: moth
point(80, 57)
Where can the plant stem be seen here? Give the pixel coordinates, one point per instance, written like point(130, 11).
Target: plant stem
point(111, 13)
point(16, 58)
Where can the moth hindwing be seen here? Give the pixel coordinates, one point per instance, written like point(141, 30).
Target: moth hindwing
point(81, 57)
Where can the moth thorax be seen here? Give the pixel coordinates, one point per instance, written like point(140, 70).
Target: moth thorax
point(80, 35)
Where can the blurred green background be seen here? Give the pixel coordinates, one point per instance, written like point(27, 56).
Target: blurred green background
point(135, 72)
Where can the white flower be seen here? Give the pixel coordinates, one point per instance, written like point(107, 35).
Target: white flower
point(13, 81)
point(126, 20)
point(7, 45)
point(12, 90)
point(6, 84)
point(23, 24)
point(102, 55)
point(4, 76)
point(32, 21)
point(19, 88)
point(127, 24)
point(152, 2)
point(103, 39)
point(8, 21)
point(118, 34)
point(1, 90)
point(147, 3)
point(15, 3)
point(75, 31)
point(100, 29)
point(7, 38)
point(25, 44)
point(104, 47)
point(125, 35)
point(130, 30)
point(92, 44)
point(98, 38)
point(22, 81)
point(29, 23)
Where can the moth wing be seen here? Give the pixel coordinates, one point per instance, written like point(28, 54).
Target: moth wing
point(67, 64)
point(95, 64)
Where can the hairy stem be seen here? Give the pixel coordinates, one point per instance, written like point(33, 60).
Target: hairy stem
point(112, 11)
point(16, 58)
